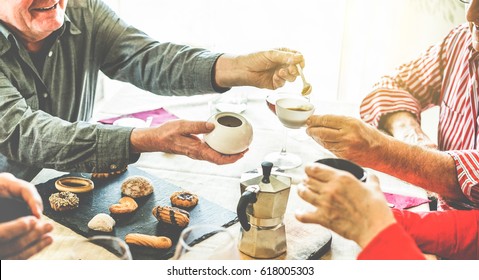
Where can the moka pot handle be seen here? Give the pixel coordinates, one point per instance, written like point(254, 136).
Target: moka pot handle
point(248, 197)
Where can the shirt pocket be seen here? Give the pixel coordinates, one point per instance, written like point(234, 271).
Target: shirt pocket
point(451, 127)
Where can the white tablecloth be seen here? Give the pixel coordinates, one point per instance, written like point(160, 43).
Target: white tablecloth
point(220, 184)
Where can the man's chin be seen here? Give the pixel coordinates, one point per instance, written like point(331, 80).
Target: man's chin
point(49, 28)
point(474, 36)
point(475, 40)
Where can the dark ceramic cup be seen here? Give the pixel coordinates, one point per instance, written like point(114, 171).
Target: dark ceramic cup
point(345, 165)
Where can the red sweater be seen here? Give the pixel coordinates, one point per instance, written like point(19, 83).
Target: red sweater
point(450, 235)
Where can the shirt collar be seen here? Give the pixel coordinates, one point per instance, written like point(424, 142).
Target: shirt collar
point(6, 35)
point(72, 28)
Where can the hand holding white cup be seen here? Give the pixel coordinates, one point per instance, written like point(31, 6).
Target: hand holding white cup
point(232, 134)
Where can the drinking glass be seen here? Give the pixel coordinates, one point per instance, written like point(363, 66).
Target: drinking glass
point(206, 242)
point(235, 102)
point(282, 159)
point(100, 247)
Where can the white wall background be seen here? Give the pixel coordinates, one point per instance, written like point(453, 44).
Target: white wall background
point(347, 44)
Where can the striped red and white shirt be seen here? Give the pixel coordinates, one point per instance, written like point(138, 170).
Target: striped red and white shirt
point(446, 75)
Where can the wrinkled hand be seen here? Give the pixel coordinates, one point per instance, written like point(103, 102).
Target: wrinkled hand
point(14, 187)
point(415, 136)
point(405, 127)
point(179, 137)
point(347, 137)
point(355, 210)
point(25, 236)
point(267, 69)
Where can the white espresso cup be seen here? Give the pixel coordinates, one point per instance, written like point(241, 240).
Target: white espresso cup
point(293, 112)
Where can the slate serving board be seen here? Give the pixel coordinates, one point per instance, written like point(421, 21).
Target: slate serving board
point(108, 192)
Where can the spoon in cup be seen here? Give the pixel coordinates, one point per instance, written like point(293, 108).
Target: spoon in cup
point(307, 88)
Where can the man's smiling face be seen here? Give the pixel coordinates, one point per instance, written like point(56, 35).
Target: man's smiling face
point(33, 20)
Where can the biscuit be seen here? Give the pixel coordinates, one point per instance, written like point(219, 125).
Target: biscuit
point(152, 241)
point(102, 222)
point(171, 215)
point(125, 205)
point(105, 175)
point(136, 186)
point(184, 199)
point(64, 201)
point(74, 185)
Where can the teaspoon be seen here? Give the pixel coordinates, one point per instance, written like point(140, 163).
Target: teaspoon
point(307, 88)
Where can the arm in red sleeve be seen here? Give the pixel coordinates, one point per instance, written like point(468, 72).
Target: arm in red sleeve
point(449, 234)
point(393, 243)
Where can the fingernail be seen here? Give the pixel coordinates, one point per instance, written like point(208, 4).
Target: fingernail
point(299, 212)
point(49, 227)
point(210, 125)
point(301, 188)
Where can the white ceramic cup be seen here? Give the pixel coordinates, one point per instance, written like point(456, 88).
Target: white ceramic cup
point(232, 134)
point(293, 112)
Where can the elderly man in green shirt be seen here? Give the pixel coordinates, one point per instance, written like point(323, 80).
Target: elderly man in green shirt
point(50, 57)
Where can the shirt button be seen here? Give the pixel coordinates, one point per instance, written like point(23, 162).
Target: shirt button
point(45, 95)
point(50, 54)
point(113, 167)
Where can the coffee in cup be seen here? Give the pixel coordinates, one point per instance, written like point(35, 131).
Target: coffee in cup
point(293, 112)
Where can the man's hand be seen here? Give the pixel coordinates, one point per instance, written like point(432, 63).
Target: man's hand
point(334, 194)
point(266, 69)
point(347, 137)
point(405, 127)
point(179, 137)
point(25, 236)
point(16, 188)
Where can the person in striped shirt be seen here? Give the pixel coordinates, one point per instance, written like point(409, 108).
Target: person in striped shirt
point(446, 75)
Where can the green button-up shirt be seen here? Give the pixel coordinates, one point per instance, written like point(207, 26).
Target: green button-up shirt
point(43, 114)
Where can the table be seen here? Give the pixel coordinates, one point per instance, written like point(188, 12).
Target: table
point(216, 182)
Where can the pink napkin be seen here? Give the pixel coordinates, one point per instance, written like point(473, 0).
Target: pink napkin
point(159, 116)
point(404, 202)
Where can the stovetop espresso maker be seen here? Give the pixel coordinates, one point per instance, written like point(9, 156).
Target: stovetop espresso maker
point(261, 211)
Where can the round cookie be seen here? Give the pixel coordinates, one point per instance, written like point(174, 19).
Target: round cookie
point(184, 199)
point(64, 201)
point(74, 185)
point(136, 186)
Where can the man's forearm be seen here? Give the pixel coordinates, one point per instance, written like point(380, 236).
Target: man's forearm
point(226, 71)
point(427, 168)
